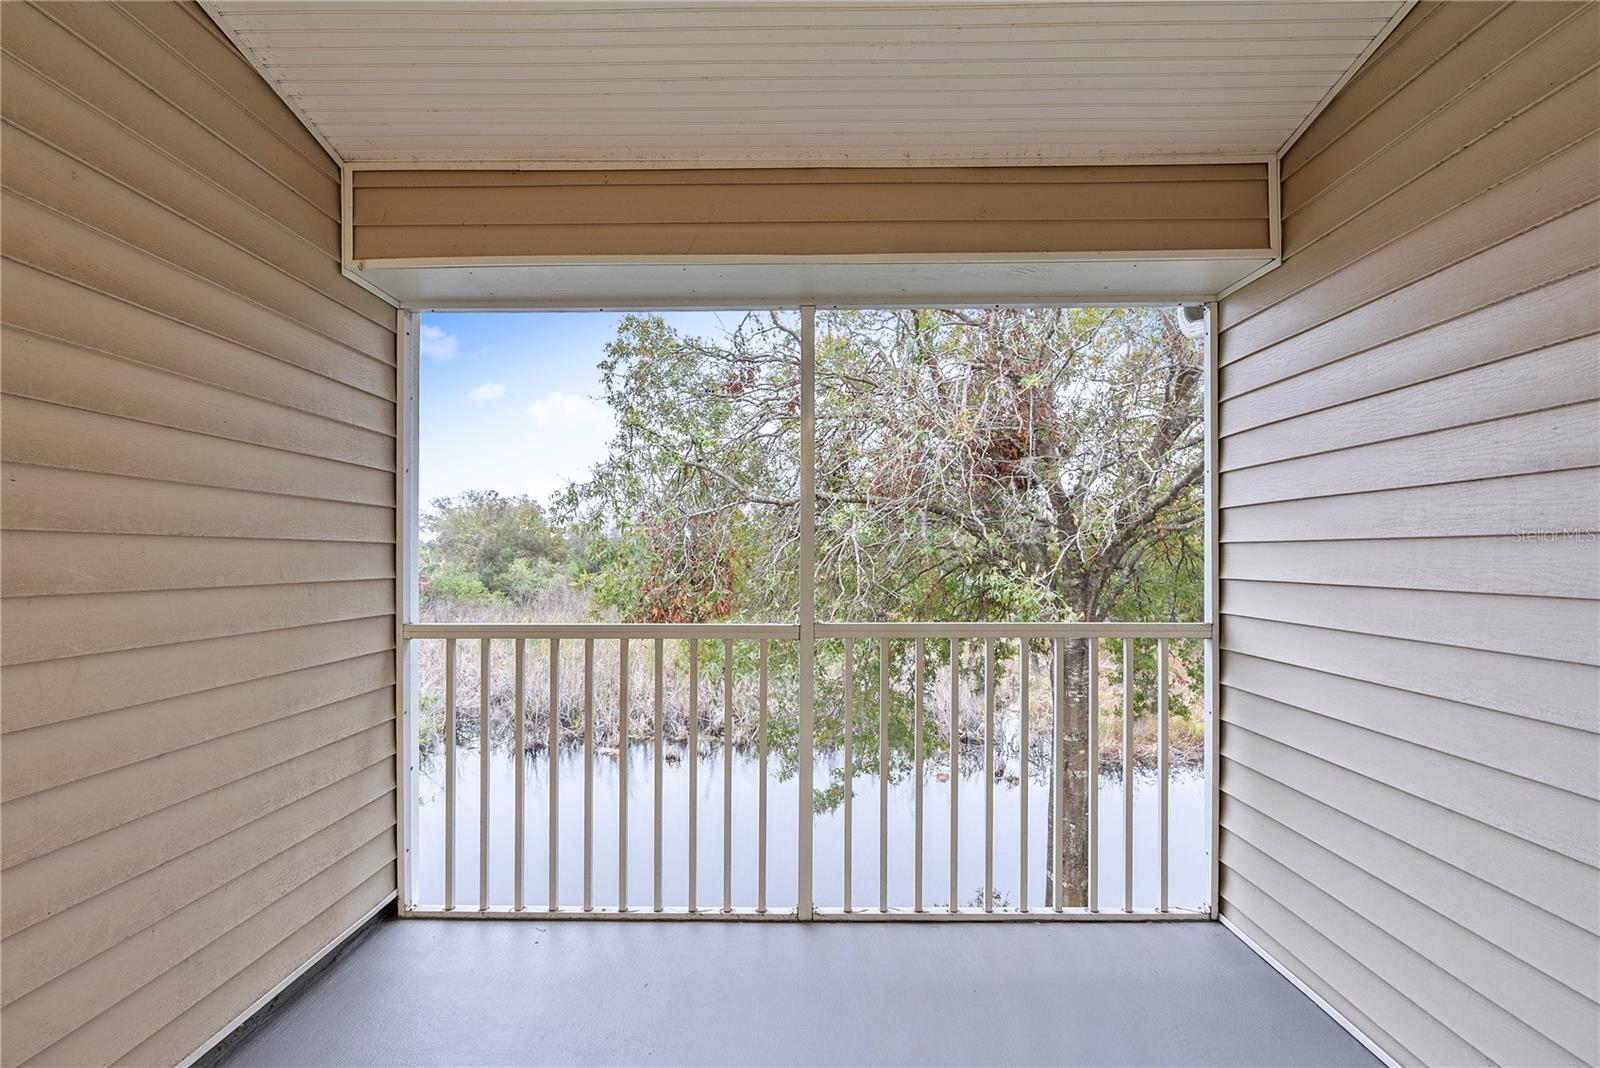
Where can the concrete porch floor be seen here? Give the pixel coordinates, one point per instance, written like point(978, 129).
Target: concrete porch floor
point(442, 992)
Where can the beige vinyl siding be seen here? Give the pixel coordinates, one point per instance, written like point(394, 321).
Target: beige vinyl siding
point(1410, 568)
point(197, 630)
point(659, 214)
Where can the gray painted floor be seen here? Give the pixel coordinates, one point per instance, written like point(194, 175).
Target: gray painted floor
point(442, 992)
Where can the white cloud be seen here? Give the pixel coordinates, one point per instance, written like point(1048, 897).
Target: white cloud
point(487, 392)
point(572, 435)
point(560, 410)
point(438, 344)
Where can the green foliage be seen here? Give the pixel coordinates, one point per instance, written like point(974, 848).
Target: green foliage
point(990, 464)
point(484, 548)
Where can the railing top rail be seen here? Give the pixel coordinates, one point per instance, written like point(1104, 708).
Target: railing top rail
point(791, 631)
point(603, 630)
point(1107, 629)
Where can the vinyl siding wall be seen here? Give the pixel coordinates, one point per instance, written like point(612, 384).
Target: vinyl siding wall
point(660, 214)
point(197, 767)
point(1410, 433)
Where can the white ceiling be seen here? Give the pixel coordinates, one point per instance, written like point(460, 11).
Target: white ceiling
point(712, 81)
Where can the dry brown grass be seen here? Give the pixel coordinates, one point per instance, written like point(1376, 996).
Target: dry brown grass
point(1186, 736)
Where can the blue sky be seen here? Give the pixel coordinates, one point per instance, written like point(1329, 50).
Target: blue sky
point(510, 401)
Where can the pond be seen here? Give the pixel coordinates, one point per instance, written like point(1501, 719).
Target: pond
point(1188, 873)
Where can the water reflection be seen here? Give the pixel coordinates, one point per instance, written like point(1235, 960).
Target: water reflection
point(1188, 872)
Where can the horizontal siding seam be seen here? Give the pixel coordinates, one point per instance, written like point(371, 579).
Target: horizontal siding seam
point(1234, 873)
point(44, 75)
point(1423, 485)
point(151, 368)
point(1504, 357)
point(244, 873)
point(1399, 943)
point(1460, 929)
point(242, 153)
point(1257, 654)
point(310, 754)
point(1401, 638)
point(1402, 287)
point(174, 211)
point(167, 752)
point(1506, 59)
point(320, 159)
point(385, 761)
point(1562, 858)
point(1381, 833)
point(1354, 862)
point(44, 1056)
point(45, 465)
point(54, 403)
point(249, 618)
point(193, 641)
point(144, 364)
point(1392, 737)
point(375, 796)
point(158, 313)
point(1488, 421)
point(226, 586)
point(1418, 221)
point(1507, 120)
point(1584, 535)
point(1391, 339)
point(1393, 584)
point(1390, 1051)
point(1438, 57)
point(213, 283)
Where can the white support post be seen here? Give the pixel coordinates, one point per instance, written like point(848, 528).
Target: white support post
point(1213, 617)
point(808, 604)
point(406, 597)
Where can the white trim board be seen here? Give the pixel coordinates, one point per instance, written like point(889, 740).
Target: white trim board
point(223, 24)
point(1344, 79)
point(286, 982)
point(1317, 999)
point(839, 283)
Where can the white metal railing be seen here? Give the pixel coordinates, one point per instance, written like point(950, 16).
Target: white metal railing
point(913, 638)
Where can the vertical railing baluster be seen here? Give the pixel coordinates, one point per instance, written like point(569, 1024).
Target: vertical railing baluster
point(694, 769)
point(1127, 775)
point(988, 774)
point(483, 775)
point(727, 775)
point(1161, 759)
point(1022, 777)
point(1058, 772)
point(883, 774)
point(449, 774)
point(955, 774)
point(552, 758)
point(588, 774)
point(519, 745)
point(916, 744)
point(660, 667)
point(849, 768)
point(1093, 791)
point(761, 803)
point(622, 776)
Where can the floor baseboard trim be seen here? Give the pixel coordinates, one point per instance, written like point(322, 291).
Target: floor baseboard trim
point(216, 1048)
point(1316, 998)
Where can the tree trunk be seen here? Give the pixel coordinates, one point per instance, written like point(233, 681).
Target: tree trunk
point(1070, 802)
